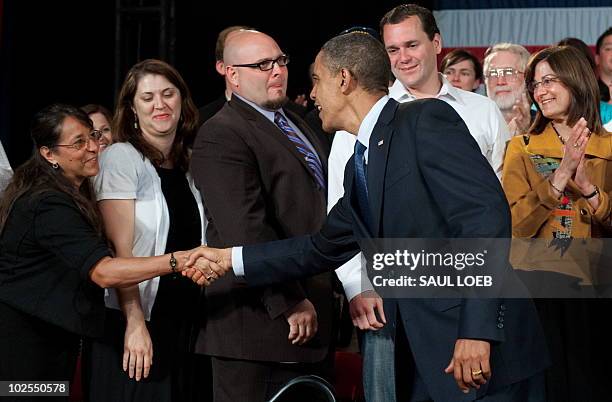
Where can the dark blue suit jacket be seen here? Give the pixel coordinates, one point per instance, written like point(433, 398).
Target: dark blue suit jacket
point(427, 179)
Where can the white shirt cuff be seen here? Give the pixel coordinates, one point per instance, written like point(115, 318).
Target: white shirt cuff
point(237, 262)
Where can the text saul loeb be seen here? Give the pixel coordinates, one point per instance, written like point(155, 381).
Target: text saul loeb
point(434, 281)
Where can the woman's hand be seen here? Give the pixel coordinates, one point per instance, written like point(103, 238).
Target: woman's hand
point(573, 153)
point(137, 350)
point(582, 180)
point(575, 147)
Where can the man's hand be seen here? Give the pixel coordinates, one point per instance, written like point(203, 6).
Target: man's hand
point(521, 120)
point(206, 264)
point(470, 363)
point(302, 319)
point(137, 350)
point(302, 100)
point(363, 309)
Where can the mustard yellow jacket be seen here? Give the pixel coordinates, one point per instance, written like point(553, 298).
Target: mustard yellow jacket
point(538, 213)
point(531, 197)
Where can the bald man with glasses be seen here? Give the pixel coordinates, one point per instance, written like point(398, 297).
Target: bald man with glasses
point(264, 175)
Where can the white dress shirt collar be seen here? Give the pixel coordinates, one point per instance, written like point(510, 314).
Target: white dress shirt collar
point(368, 123)
point(401, 94)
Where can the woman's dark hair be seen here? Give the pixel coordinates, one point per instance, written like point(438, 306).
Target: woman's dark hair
point(92, 108)
point(457, 56)
point(575, 73)
point(123, 123)
point(582, 47)
point(37, 175)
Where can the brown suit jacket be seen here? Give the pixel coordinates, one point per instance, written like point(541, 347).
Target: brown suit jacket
point(257, 187)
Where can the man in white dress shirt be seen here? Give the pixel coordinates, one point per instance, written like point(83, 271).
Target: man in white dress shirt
point(412, 40)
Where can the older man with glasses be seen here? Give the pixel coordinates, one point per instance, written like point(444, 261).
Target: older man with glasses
point(504, 69)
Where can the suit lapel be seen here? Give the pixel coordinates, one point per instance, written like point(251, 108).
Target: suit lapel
point(273, 131)
point(378, 152)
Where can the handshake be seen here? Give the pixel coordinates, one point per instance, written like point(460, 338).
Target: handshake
point(204, 265)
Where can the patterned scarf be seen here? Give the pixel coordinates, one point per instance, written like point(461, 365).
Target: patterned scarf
point(563, 213)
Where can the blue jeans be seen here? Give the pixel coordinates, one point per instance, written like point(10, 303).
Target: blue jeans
point(378, 353)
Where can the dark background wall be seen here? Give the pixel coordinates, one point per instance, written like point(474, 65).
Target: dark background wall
point(64, 50)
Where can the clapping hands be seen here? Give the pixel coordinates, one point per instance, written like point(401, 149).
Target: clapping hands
point(205, 265)
point(521, 116)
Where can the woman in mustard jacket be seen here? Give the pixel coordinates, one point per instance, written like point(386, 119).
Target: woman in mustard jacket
point(558, 181)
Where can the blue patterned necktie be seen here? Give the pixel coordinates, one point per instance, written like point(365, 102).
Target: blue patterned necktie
point(361, 172)
point(311, 159)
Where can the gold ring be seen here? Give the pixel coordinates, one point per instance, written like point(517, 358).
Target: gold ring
point(576, 145)
point(476, 372)
point(208, 278)
point(210, 272)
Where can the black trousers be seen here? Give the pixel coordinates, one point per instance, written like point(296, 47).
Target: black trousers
point(34, 350)
point(254, 381)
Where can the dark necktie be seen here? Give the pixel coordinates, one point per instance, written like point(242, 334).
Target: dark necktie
point(361, 173)
point(311, 159)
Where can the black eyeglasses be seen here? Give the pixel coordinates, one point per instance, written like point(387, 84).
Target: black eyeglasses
point(267, 65)
point(81, 143)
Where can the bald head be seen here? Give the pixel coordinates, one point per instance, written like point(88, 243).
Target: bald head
point(268, 88)
point(247, 46)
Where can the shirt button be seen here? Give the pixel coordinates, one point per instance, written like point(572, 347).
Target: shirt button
point(500, 325)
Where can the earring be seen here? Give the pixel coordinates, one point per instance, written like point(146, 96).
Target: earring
point(135, 121)
point(55, 165)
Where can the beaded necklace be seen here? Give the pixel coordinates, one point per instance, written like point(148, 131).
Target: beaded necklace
point(558, 135)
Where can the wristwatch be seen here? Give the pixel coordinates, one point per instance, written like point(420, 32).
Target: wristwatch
point(173, 263)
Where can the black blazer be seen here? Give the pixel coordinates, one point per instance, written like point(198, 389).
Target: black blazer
point(426, 179)
point(47, 249)
point(257, 187)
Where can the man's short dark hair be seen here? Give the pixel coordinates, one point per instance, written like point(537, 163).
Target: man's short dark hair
point(403, 11)
point(363, 56)
point(601, 39)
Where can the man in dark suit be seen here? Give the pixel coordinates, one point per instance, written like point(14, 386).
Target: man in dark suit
point(426, 178)
point(261, 172)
